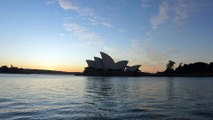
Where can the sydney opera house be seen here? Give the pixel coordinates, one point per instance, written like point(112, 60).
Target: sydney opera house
point(106, 64)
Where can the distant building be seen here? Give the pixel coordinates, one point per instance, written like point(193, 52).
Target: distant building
point(106, 63)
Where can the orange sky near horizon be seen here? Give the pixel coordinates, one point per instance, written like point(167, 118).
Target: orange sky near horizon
point(80, 68)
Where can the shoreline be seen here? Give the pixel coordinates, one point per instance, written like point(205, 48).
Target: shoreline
point(117, 75)
point(150, 75)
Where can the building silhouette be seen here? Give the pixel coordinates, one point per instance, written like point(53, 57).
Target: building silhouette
point(106, 63)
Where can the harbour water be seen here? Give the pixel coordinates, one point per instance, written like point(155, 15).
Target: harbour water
point(106, 98)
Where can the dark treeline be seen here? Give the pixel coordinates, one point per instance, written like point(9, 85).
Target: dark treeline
point(198, 68)
point(16, 70)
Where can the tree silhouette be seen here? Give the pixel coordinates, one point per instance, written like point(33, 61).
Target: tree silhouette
point(170, 66)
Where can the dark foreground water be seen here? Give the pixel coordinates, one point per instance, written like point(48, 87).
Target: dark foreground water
point(92, 98)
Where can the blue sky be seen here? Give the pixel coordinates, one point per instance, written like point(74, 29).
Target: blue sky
point(61, 34)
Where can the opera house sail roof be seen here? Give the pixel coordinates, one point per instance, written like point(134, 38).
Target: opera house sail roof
point(106, 63)
point(98, 63)
point(132, 68)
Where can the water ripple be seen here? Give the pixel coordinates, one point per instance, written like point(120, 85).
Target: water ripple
point(43, 97)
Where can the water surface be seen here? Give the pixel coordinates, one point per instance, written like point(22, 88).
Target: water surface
point(105, 98)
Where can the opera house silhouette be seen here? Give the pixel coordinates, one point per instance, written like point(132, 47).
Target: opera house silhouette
point(107, 66)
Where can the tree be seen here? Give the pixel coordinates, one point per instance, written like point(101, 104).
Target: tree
point(170, 66)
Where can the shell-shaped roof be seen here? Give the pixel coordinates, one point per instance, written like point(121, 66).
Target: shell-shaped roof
point(132, 68)
point(98, 63)
point(120, 65)
point(91, 63)
point(108, 62)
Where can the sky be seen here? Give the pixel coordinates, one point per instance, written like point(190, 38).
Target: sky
point(62, 34)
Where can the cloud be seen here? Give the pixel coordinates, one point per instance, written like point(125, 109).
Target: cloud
point(68, 5)
point(50, 2)
point(182, 12)
point(145, 3)
point(135, 51)
point(176, 12)
point(86, 13)
point(121, 30)
point(82, 33)
point(160, 18)
point(81, 45)
point(146, 54)
point(107, 24)
point(110, 50)
point(157, 57)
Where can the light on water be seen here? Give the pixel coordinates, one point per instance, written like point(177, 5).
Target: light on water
point(75, 97)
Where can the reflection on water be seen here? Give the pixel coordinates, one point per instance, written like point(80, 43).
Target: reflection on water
point(170, 89)
point(71, 97)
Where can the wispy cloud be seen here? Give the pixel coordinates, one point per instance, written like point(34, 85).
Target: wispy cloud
point(135, 51)
point(159, 57)
point(145, 3)
point(68, 5)
point(176, 12)
point(182, 12)
point(121, 30)
point(107, 24)
point(160, 18)
point(82, 33)
point(81, 45)
point(147, 55)
point(50, 2)
point(86, 13)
